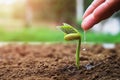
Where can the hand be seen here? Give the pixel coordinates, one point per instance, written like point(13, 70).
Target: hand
point(99, 10)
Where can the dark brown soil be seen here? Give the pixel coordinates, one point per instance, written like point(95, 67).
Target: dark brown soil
point(57, 62)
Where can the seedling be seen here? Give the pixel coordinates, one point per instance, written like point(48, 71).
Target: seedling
point(72, 34)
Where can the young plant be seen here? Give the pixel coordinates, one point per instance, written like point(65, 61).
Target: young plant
point(72, 34)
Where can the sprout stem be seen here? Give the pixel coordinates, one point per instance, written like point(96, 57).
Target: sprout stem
point(72, 34)
point(77, 53)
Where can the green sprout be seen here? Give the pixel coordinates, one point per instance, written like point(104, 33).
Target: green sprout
point(72, 34)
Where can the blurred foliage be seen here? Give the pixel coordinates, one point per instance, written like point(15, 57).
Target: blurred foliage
point(19, 11)
point(42, 34)
point(87, 3)
point(117, 15)
point(50, 10)
point(45, 34)
point(66, 10)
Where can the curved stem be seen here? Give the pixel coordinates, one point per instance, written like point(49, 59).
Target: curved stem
point(77, 53)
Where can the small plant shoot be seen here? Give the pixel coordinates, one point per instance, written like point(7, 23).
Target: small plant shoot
point(72, 34)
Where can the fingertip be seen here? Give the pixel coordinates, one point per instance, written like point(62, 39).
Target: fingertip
point(88, 22)
point(83, 25)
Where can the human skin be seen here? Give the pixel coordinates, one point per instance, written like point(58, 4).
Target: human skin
point(98, 11)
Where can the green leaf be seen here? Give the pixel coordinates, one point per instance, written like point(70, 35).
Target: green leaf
point(66, 28)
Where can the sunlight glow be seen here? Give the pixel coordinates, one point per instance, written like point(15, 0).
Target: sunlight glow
point(7, 2)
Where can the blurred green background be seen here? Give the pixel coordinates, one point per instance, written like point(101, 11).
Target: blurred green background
point(36, 21)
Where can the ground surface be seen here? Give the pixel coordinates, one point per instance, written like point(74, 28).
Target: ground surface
point(57, 62)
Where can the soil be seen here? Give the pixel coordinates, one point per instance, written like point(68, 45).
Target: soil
point(57, 62)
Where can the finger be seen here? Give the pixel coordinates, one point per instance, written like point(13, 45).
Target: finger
point(88, 22)
point(103, 11)
point(92, 7)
